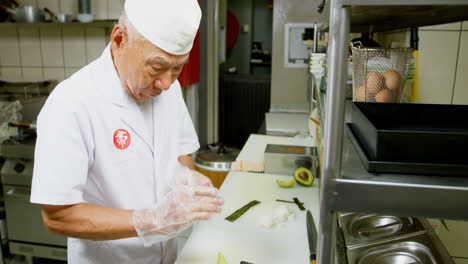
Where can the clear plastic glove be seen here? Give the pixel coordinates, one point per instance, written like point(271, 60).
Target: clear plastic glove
point(176, 211)
point(186, 176)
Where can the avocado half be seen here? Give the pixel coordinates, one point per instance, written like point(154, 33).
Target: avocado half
point(304, 176)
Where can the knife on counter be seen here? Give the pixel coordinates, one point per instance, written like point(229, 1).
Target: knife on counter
point(312, 237)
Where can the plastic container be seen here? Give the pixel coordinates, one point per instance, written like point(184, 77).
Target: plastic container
point(379, 74)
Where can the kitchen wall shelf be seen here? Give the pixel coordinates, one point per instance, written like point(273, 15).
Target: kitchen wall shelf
point(345, 184)
point(95, 23)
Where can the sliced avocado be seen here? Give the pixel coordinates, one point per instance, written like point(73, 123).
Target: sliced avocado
point(304, 176)
point(221, 259)
point(286, 184)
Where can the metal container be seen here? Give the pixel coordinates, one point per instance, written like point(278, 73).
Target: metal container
point(284, 159)
point(379, 74)
point(366, 229)
point(413, 250)
point(27, 14)
point(215, 163)
point(61, 18)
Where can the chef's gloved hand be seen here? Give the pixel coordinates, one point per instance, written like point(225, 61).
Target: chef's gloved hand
point(176, 211)
point(186, 176)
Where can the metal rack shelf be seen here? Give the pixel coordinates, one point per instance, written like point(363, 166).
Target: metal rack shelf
point(377, 16)
point(397, 194)
point(345, 185)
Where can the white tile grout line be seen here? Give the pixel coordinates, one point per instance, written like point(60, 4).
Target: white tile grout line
point(63, 49)
point(40, 48)
point(19, 51)
point(85, 44)
point(456, 65)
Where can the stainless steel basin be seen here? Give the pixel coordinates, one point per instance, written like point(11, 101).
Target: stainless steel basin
point(401, 253)
point(411, 250)
point(366, 229)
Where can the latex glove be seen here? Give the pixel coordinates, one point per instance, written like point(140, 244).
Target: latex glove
point(176, 211)
point(186, 176)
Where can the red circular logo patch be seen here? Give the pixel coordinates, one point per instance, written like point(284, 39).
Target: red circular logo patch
point(121, 138)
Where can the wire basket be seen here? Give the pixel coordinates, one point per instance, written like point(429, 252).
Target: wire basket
point(379, 74)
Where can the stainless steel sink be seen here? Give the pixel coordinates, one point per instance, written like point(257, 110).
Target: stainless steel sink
point(411, 250)
point(370, 229)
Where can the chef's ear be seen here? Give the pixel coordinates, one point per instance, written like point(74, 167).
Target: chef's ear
point(119, 37)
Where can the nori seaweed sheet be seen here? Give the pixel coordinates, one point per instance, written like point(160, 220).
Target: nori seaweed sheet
point(299, 203)
point(296, 201)
point(239, 212)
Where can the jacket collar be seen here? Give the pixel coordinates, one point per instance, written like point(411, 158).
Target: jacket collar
point(118, 95)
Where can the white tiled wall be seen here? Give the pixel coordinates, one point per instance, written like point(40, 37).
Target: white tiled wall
point(438, 51)
point(443, 64)
point(51, 50)
point(460, 95)
point(449, 26)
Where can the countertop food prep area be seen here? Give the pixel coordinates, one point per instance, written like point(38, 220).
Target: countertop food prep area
point(335, 130)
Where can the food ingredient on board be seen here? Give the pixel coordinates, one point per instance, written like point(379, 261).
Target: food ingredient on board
point(286, 184)
point(299, 203)
point(221, 259)
point(304, 176)
point(295, 201)
point(239, 212)
point(281, 214)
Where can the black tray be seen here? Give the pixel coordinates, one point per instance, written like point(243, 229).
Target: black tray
point(402, 167)
point(415, 133)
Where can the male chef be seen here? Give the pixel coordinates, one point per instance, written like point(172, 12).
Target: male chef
point(113, 169)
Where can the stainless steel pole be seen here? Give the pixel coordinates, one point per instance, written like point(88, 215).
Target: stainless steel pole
point(340, 18)
point(315, 37)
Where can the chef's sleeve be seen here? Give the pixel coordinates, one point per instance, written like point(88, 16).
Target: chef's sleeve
point(63, 153)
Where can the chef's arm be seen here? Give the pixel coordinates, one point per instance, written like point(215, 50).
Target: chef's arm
point(88, 221)
point(187, 161)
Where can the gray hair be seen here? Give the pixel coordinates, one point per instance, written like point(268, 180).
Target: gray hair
point(132, 32)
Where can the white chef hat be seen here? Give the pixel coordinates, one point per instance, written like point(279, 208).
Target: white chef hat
point(169, 24)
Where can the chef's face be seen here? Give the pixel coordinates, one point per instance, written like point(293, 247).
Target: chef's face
point(144, 69)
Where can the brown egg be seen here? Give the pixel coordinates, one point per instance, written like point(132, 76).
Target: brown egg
point(360, 94)
point(392, 80)
point(374, 84)
point(384, 96)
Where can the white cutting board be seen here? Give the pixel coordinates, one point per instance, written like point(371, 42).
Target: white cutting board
point(243, 239)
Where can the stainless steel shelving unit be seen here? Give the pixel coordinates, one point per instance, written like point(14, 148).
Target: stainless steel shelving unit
point(345, 184)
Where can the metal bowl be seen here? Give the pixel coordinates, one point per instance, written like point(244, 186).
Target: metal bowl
point(27, 14)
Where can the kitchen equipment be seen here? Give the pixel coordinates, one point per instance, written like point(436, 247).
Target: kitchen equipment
point(424, 133)
point(402, 167)
point(60, 17)
point(25, 14)
point(215, 162)
point(378, 73)
point(26, 231)
point(84, 11)
point(284, 159)
point(368, 229)
point(412, 250)
point(312, 237)
point(3, 13)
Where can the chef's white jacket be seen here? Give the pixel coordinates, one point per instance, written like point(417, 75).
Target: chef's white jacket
point(93, 146)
